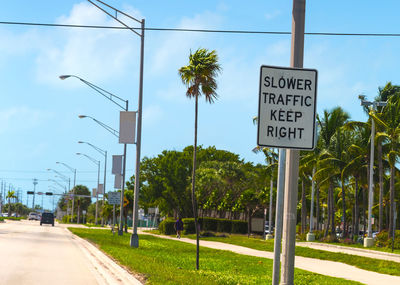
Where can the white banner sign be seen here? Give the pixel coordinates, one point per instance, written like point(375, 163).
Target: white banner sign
point(287, 107)
point(100, 189)
point(117, 181)
point(116, 164)
point(127, 127)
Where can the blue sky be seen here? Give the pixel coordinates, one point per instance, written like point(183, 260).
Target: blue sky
point(39, 122)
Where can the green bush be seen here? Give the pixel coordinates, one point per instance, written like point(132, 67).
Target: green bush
point(188, 226)
point(166, 227)
point(239, 227)
point(1, 219)
point(209, 224)
point(224, 226)
point(13, 218)
point(383, 240)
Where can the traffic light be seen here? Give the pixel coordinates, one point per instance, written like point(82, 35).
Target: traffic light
point(49, 193)
point(30, 192)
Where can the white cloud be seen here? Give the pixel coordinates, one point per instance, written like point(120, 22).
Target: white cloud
point(21, 118)
point(272, 15)
point(173, 48)
point(93, 53)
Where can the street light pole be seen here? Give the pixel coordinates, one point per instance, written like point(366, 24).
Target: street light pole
point(98, 179)
point(369, 241)
point(73, 189)
point(104, 153)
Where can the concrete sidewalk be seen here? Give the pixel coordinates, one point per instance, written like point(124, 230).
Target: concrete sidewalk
point(324, 267)
point(351, 250)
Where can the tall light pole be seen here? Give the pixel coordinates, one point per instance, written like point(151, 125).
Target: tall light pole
point(104, 153)
point(116, 134)
point(73, 189)
point(134, 238)
point(124, 105)
point(369, 241)
point(98, 179)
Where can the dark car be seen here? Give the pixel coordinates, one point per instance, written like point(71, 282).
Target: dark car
point(47, 218)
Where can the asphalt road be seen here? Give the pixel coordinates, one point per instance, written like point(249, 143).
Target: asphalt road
point(34, 254)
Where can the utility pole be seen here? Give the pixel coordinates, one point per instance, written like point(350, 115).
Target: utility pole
point(292, 156)
point(34, 192)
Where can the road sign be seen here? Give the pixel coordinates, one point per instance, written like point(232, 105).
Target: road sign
point(126, 201)
point(287, 107)
point(114, 198)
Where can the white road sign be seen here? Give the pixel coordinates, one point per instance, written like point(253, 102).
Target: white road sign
point(114, 198)
point(287, 107)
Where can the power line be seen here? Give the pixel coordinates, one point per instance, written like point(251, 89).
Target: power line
point(200, 30)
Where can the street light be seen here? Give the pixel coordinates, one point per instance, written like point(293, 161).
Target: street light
point(369, 241)
point(73, 189)
point(134, 238)
point(98, 178)
point(116, 134)
point(103, 152)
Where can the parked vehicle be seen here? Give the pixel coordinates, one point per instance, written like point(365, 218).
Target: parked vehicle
point(4, 215)
point(47, 218)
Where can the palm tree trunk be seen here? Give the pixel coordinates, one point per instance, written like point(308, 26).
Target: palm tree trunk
point(356, 210)
point(194, 183)
point(303, 207)
point(329, 211)
point(364, 196)
point(391, 215)
point(380, 165)
point(332, 211)
point(317, 207)
point(344, 210)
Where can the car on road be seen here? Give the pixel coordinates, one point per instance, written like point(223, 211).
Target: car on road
point(4, 215)
point(33, 216)
point(47, 218)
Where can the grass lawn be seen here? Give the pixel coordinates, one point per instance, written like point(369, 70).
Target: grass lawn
point(371, 264)
point(163, 261)
point(357, 245)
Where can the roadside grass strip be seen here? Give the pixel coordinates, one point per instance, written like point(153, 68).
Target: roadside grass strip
point(163, 261)
point(366, 263)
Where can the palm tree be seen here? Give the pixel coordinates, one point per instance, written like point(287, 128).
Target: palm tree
point(384, 94)
point(199, 77)
point(329, 126)
point(389, 119)
point(10, 195)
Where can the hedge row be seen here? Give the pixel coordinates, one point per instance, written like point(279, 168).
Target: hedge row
point(206, 224)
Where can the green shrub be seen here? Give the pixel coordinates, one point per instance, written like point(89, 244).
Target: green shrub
point(1, 219)
point(329, 238)
point(224, 226)
point(239, 227)
point(209, 224)
point(14, 218)
point(207, 234)
point(166, 227)
point(188, 226)
point(383, 240)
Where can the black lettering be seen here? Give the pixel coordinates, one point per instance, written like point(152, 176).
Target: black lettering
point(281, 115)
point(288, 98)
point(267, 83)
point(281, 82)
point(272, 83)
point(280, 100)
point(292, 131)
point(291, 83)
point(299, 84)
point(305, 101)
point(273, 115)
point(300, 132)
point(270, 130)
point(289, 115)
point(297, 115)
point(265, 97)
point(307, 83)
point(296, 99)
point(282, 132)
point(271, 98)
